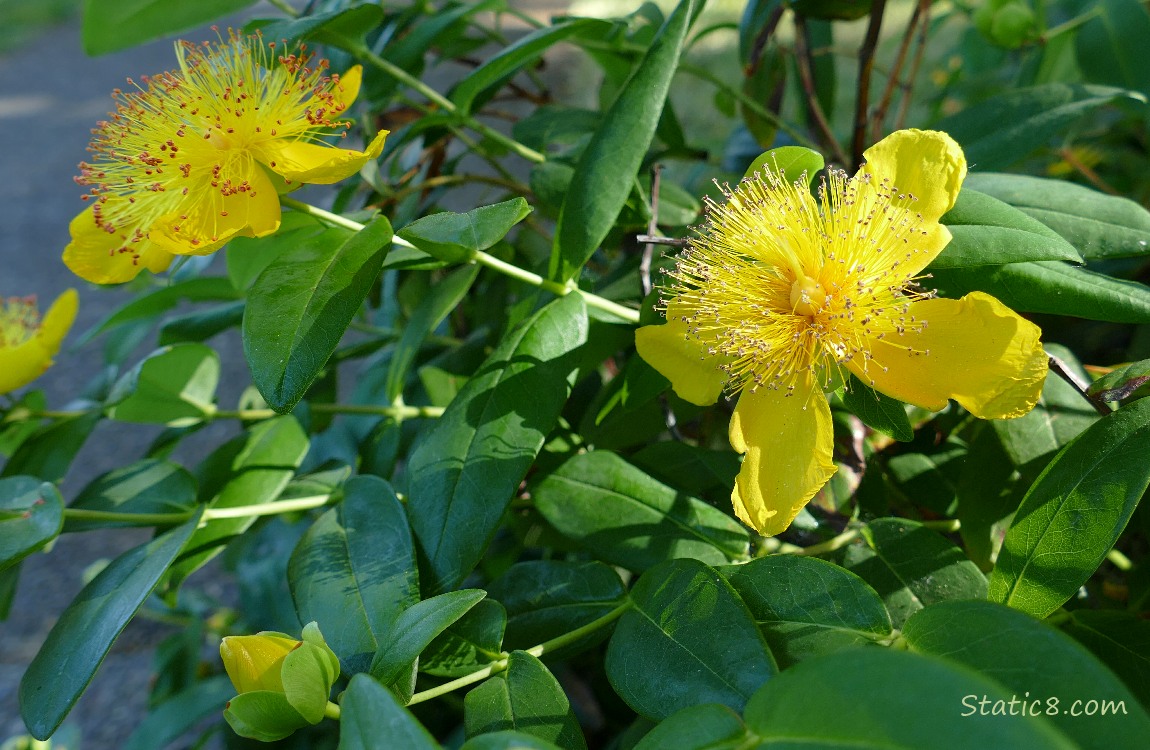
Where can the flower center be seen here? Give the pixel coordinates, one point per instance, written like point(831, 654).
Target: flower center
point(19, 320)
point(807, 296)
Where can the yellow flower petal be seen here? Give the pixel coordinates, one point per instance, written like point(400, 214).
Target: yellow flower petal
point(253, 662)
point(974, 350)
point(300, 161)
point(21, 364)
point(208, 224)
point(348, 88)
point(110, 258)
point(695, 375)
point(927, 164)
point(788, 440)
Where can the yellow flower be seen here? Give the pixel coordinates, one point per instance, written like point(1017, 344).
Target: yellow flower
point(781, 293)
point(194, 157)
point(27, 343)
point(253, 662)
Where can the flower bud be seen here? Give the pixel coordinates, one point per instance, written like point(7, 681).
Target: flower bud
point(283, 683)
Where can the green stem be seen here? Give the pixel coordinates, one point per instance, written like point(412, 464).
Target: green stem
point(287, 9)
point(293, 505)
point(500, 665)
point(434, 96)
point(593, 300)
point(331, 711)
point(399, 412)
point(1119, 560)
point(1072, 24)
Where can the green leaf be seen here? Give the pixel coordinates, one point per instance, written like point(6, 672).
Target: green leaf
point(1052, 287)
point(471, 642)
point(1006, 128)
point(688, 640)
point(1111, 44)
point(455, 238)
point(928, 475)
point(339, 28)
point(1073, 513)
point(1060, 415)
point(300, 306)
point(468, 465)
point(694, 470)
point(912, 567)
point(14, 433)
point(1036, 662)
point(626, 518)
point(806, 607)
point(173, 386)
point(417, 626)
point(507, 741)
point(147, 486)
point(371, 717)
point(49, 452)
point(987, 494)
point(547, 598)
point(1099, 225)
point(247, 257)
point(1121, 640)
point(482, 82)
point(31, 515)
point(880, 698)
point(1122, 382)
point(201, 325)
point(877, 410)
point(85, 631)
point(987, 232)
point(439, 302)
point(525, 697)
point(153, 304)
point(251, 469)
point(790, 161)
point(604, 175)
point(263, 715)
point(708, 726)
point(354, 571)
point(180, 713)
point(111, 25)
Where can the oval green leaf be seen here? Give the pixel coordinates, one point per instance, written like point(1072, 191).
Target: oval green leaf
point(85, 631)
point(689, 639)
point(301, 304)
point(889, 700)
point(988, 232)
point(371, 717)
point(806, 607)
point(525, 697)
point(467, 466)
point(31, 515)
point(173, 386)
point(911, 567)
point(1074, 512)
point(626, 518)
point(354, 570)
point(546, 598)
point(148, 486)
point(604, 175)
point(1039, 664)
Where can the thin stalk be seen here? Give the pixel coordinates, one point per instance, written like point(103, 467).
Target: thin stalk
point(592, 300)
point(292, 505)
point(896, 71)
point(1059, 368)
point(287, 9)
point(501, 664)
point(703, 74)
point(434, 96)
point(806, 75)
point(1072, 24)
point(866, 67)
point(906, 88)
point(457, 179)
point(1119, 560)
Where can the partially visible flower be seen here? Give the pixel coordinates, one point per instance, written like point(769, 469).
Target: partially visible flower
point(27, 342)
point(196, 156)
point(283, 683)
point(783, 294)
